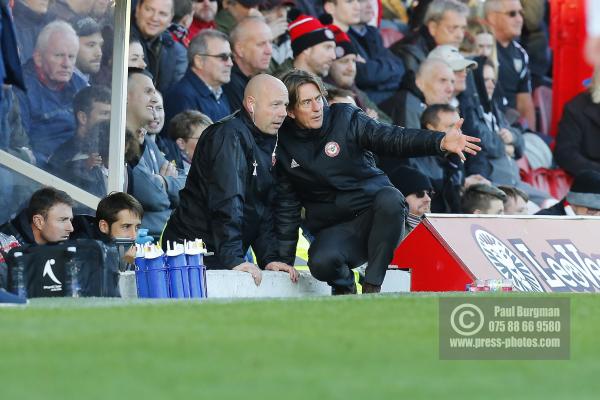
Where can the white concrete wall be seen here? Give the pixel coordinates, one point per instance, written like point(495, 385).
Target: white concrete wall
point(235, 284)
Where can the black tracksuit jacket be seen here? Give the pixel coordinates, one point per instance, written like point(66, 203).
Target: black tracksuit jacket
point(227, 199)
point(331, 171)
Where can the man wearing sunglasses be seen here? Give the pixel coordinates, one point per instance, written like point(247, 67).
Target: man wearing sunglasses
point(583, 198)
point(506, 19)
point(418, 191)
point(201, 88)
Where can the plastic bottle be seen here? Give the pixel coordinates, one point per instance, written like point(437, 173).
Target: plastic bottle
point(73, 286)
point(19, 284)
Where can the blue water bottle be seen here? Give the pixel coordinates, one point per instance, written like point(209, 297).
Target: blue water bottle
point(195, 252)
point(177, 271)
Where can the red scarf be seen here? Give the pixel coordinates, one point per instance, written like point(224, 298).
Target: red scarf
point(46, 82)
point(199, 25)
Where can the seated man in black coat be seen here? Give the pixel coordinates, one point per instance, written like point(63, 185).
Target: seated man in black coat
point(47, 219)
point(230, 187)
point(325, 165)
point(118, 216)
point(577, 142)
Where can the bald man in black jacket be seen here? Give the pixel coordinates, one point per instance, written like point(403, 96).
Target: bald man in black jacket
point(230, 187)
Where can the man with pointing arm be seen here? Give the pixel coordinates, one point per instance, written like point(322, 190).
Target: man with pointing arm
point(325, 165)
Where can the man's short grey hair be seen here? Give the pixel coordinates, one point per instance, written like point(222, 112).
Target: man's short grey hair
point(428, 66)
point(491, 6)
point(199, 44)
point(54, 27)
point(437, 8)
point(239, 32)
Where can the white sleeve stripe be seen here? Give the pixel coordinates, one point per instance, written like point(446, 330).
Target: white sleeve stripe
point(522, 50)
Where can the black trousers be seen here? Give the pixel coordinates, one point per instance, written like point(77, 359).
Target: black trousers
point(372, 236)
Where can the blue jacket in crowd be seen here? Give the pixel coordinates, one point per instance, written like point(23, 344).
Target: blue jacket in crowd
point(191, 93)
point(10, 65)
point(47, 114)
point(28, 25)
point(381, 73)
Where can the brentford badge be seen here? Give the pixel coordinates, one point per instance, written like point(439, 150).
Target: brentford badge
point(332, 149)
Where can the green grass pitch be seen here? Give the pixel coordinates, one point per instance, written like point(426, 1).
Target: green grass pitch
point(356, 347)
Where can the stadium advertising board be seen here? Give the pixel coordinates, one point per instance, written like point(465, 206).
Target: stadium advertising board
point(537, 254)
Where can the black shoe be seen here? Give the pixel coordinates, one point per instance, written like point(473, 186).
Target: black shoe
point(8, 299)
point(369, 288)
point(343, 290)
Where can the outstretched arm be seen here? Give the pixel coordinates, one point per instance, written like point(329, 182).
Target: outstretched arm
point(397, 141)
point(456, 142)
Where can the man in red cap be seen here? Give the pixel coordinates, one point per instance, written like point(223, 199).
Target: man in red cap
point(313, 44)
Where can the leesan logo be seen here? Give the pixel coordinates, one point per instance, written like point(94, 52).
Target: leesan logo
point(567, 270)
point(50, 274)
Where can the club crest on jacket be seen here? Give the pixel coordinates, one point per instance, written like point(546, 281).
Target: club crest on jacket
point(332, 149)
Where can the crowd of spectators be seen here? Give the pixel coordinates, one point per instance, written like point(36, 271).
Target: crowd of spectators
point(190, 61)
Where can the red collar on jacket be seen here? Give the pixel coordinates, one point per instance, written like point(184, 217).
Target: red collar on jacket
point(46, 82)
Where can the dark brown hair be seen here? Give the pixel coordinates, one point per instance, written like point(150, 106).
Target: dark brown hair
point(42, 200)
point(294, 79)
point(431, 115)
point(111, 205)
